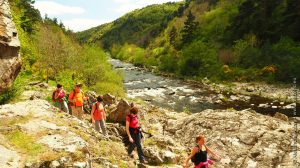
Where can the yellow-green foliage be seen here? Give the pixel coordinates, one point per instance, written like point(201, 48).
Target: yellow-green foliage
point(50, 52)
point(114, 150)
point(15, 120)
point(25, 143)
point(132, 53)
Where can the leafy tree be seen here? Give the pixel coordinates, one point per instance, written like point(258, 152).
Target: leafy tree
point(258, 17)
point(198, 59)
point(30, 16)
point(291, 24)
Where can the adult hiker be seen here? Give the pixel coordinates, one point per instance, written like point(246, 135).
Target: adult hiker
point(98, 116)
point(58, 96)
point(134, 134)
point(199, 154)
point(76, 99)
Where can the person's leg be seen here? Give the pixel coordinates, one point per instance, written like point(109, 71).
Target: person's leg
point(131, 145)
point(137, 141)
point(74, 112)
point(80, 112)
point(59, 105)
point(97, 125)
point(103, 127)
point(65, 107)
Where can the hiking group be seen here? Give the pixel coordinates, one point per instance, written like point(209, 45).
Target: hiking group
point(74, 106)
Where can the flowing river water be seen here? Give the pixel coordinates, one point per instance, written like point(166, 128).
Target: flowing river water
point(178, 95)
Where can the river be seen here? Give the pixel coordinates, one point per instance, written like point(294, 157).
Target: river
point(178, 95)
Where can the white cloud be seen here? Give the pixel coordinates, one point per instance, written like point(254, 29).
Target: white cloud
point(127, 8)
point(79, 24)
point(123, 1)
point(129, 5)
point(55, 9)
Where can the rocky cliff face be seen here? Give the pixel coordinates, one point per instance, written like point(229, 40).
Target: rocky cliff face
point(10, 63)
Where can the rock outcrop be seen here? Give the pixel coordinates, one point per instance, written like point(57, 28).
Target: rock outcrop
point(36, 129)
point(10, 63)
point(241, 138)
point(119, 114)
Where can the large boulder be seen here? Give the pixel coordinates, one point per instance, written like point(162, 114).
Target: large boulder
point(109, 99)
point(119, 114)
point(10, 62)
point(92, 96)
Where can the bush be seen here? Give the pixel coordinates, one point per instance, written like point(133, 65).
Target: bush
point(199, 59)
point(286, 56)
point(65, 78)
point(168, 63)
point(15, 90)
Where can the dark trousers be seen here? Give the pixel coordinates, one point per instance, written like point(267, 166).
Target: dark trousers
point(136, 136)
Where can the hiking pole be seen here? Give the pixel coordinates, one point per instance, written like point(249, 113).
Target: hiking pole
point(148, 133)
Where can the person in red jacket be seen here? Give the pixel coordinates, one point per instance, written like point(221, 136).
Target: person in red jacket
point(58, 97)
point(134, 134)
point(98, 116)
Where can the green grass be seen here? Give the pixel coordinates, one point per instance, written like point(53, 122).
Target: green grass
point(15, 120)
point(25, 143)
point(111, 150)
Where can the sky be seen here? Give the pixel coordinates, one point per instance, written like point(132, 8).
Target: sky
point(79, 15)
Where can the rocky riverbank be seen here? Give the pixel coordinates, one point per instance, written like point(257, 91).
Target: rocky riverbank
point(187, 95)
point(35, 134)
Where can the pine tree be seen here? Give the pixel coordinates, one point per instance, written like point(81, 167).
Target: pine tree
point(173, 35)
point(180, 10)
point(190, 26)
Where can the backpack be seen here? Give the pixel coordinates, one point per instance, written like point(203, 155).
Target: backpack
point(96, 108)
point(139, 128)
point(130, 117)
point(196, 158)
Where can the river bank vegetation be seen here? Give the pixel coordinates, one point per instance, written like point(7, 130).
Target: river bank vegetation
point(224, 40)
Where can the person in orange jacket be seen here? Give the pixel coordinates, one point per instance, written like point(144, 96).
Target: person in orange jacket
point(98, 116)
point(77, 97)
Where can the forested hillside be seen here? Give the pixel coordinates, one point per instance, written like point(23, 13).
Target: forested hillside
point(138, 27)
point(50, 52)
point(235, 40)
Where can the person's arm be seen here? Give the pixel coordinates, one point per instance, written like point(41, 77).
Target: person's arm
point(194, 151)
point(71, 96)
point(127, 131)
point(56, 95)
point(86, 98)
point(92, 112)
point(212, 153)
